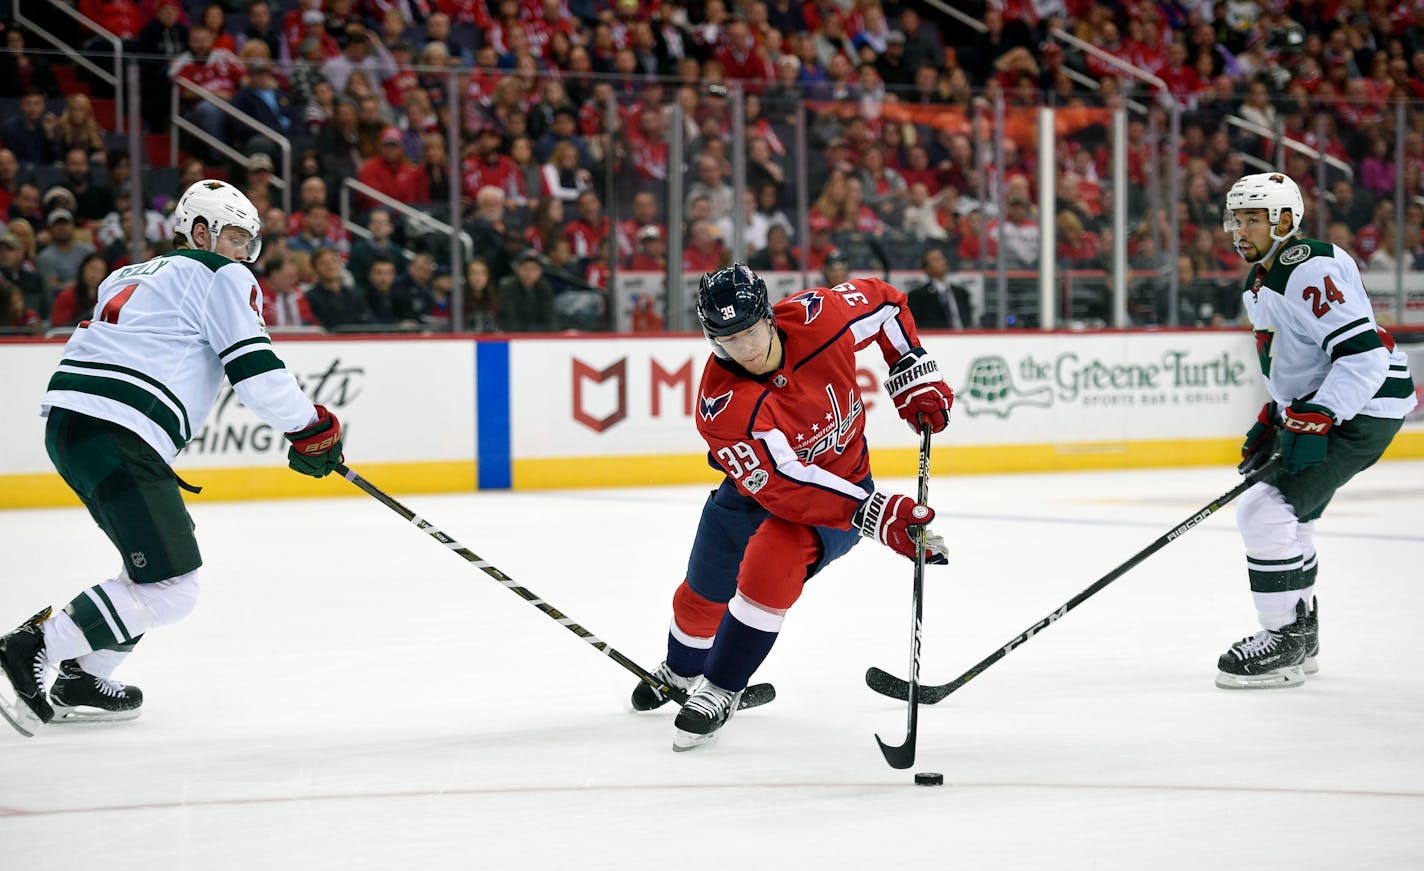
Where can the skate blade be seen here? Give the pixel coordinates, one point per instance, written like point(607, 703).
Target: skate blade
point(92, 715)
point(1284, 678)
point(685, 741)
point(16, 712)
point(1311, 666)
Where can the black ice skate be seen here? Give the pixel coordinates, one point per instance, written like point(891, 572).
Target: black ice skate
point(81, 697)
point(705, 712)
point(647, 698)
point(23, 663)
point(1270, 659)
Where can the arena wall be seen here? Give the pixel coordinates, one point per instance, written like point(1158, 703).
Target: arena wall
point(465, 413)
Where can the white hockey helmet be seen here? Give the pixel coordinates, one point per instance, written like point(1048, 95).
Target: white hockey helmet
point(1272, 191)
point(218, 204)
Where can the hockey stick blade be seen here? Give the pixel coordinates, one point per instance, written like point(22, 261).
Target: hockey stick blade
point(757, 695)
point(888, 685)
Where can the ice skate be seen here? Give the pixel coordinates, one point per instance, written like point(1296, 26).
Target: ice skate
point(705, 712)
point(81, 697)
point(1270, 659)
point(647, 698)
point(24, 664)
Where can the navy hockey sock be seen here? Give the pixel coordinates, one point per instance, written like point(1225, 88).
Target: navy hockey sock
point(737, 653)
point(684, 659)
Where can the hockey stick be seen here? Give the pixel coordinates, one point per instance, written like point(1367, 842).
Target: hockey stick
point(903, 756)
point(888, 685)
point(755, 695)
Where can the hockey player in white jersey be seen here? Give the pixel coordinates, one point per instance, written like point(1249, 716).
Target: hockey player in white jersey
point(1339, 391)
point(136, 381)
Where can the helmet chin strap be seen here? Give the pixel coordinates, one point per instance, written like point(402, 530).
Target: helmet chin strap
point(1276, 244)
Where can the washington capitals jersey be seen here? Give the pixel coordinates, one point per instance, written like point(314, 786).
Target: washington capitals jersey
point(794, 439)
point(1317, 337)
point(163, 335)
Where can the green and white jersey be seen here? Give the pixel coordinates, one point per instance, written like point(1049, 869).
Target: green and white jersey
point(1317, 338)
point(163, 335)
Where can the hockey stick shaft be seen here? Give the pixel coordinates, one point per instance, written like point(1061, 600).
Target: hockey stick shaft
point(524, 593)
point(887, 684)
point(903, 756)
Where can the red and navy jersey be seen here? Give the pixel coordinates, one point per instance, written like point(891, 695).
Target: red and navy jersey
point(794, 439)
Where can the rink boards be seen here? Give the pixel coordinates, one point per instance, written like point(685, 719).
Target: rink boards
point(453, 414)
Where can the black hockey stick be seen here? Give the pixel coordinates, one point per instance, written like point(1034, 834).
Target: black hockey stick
point(755, 695)
point(903, 756)
point(888, 685)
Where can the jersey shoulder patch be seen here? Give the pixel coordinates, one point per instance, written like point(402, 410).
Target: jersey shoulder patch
point(207, 258)
point(1292, 256)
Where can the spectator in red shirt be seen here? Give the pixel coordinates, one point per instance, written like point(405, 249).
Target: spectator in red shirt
point(283, 303)
point(76, 302)
point(586, 232)
point(645, 214)
point(704, 252)
point(652, 251)
point(218, 70)
point(487, 167)
point(741, 59)
point(392, 174)
point(120, 17)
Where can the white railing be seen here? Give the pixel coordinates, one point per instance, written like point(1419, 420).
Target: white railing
point(1109, 58)
point(411, 213)
point(207, 96)
point(1285, 141)
point(114, 79)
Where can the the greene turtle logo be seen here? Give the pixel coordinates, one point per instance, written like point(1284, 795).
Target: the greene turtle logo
point(989, 389)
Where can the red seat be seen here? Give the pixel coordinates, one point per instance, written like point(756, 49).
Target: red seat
point(105, 112)
point(157, 144)
point(69, 81)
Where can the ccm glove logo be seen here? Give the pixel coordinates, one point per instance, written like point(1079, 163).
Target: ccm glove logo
point(1305, 422)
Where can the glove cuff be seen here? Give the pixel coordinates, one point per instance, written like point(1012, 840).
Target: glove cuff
point(1307, 418)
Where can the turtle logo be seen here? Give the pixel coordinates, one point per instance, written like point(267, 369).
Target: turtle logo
point(989, 389)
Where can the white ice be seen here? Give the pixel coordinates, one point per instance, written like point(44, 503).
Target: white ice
point(349, 695)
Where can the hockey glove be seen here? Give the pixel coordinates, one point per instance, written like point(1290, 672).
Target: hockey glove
point(1260, 440)
point(893, 520)
point(1304, 429)
point(920, 394)
point(316, 450)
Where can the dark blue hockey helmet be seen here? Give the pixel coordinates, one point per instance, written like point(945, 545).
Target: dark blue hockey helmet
point(730, 300)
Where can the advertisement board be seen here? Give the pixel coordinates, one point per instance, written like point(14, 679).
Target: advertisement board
point(386, 393)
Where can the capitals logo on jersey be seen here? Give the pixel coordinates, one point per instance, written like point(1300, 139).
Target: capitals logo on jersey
point(812, 302)
point(709, 408)
point(836, 435)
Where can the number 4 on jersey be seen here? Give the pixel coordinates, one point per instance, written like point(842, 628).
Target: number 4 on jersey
point(110, 313)
point(1332, 294)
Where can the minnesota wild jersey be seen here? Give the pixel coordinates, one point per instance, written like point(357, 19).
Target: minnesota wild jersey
point(163, 335)
point(1317, 337)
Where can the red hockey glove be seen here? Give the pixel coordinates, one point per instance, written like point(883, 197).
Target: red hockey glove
point(893, 520)
point(920, 394)
point(1260, 440)
point(1304, 429)
point(316, 450)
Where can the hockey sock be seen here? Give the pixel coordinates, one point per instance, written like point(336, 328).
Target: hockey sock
point(115, 613)
point(743, 642)
point(103, 663)
point(694, 623)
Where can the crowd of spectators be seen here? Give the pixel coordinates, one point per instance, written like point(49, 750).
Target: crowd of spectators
point(563, 159)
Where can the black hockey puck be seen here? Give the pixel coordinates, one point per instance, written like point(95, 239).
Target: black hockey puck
point(929, 778)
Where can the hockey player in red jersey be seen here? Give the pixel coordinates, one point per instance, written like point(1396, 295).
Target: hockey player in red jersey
point(783, 419)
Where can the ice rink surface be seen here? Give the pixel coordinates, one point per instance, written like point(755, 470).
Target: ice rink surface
point(350, 696)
